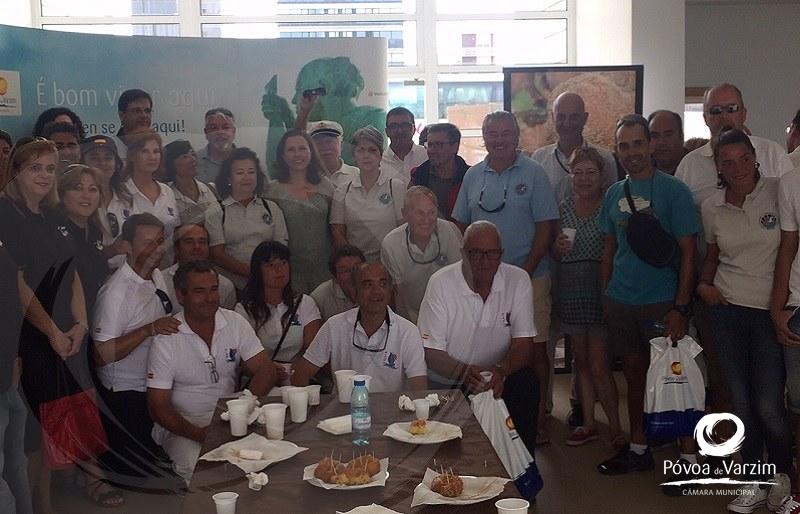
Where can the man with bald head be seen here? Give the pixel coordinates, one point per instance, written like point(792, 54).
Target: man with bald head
point(723, 109)
point(666, 140)
point(476, 317)
point(569, 118)
point(370, 339)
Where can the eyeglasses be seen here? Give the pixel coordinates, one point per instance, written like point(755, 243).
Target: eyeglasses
point(476, 255)
point(166, 303)
point(496, 209)
point(385, 340)
point(587, 173)
point(716, 110)
point(212, 363)
point(399, 126)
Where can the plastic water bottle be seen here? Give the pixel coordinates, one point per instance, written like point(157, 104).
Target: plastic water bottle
point(359, 412)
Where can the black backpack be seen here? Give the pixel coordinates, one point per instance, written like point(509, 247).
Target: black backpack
point(647, 238)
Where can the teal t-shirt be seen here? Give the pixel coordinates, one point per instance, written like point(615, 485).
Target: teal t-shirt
point(634, 282)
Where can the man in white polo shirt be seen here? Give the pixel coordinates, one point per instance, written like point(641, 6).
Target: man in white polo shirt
point(338, 294)
point(371, 340)
point(327, 138)
point(477, 316)
point(416, 250)
point(190, 370)
point(191, 244)
point(131, 308)
point(402, 155)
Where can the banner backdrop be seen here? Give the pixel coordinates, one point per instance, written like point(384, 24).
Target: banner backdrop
point(186, 77)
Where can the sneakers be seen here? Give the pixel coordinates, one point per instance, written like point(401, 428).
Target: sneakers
point(626, 461)
point(581, 436)
point(575, 418)
point(678, 490)
point(791, 505)
point(750, 500)
point(779, 491)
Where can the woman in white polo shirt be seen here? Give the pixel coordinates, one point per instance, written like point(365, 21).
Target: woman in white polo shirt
point(369, 205)
point(742, 235)
point(192, 197)
point(286, 322)
point(244, 218)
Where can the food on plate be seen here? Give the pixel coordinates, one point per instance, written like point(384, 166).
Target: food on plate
point(448, 484)
point(358, 471)
point(418, 427)
point(250, 454)
point(368, 463)
point(326, 469)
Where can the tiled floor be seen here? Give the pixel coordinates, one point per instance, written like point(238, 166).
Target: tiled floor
point(572, 485)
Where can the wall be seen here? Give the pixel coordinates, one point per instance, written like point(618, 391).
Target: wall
point(753, 46)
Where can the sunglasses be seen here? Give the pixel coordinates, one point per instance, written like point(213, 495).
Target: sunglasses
point(716, 110)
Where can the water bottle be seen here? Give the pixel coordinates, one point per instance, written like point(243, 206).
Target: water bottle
point(359, 412)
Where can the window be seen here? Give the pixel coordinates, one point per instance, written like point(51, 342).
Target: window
point(121, 29)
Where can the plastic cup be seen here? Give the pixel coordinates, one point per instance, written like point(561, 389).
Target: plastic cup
point(344, 384)
point(285, 390)
point(313, 394)
point(239, 411)
point(365, 378)
point(225, 502)
point(570, 233)
point(487, 376)
point(512, 506)
point(298, 404)
point(276, 418)
point(287, 367)
point(422, 408)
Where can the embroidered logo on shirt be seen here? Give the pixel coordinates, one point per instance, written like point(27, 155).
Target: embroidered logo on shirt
point(63, 230)
point(99, 245)
point(522, 189)
point(639, 202)
point(267, 217)
point(126, 213)
point(391, 360)
point(385, 198)
point(506, 317)
point(170, 211)
point(769, 220)
point(230, 354)
point(441, 260)
point(151, 375)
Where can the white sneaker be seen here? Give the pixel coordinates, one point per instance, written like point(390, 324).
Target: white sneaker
point(779, 491)
point(751, 499)
point(791, 505)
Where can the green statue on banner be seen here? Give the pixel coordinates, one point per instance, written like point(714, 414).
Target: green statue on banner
point(332, 86)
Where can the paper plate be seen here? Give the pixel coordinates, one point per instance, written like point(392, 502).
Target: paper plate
point(438, 432)
point(476, 489)
point(378, 480)
point(274, 451)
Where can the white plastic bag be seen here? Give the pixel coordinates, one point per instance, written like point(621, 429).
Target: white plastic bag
point(493, 416)
point(675, 398)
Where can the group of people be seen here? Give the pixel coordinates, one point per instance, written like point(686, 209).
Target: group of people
point(161, 279)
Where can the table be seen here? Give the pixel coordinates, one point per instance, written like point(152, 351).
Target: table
point(288, 493)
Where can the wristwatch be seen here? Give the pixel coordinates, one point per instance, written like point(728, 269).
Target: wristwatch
point(683, 310)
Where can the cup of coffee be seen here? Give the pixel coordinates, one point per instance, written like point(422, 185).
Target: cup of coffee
point(276, 418)
point(344, 384)
point(225, 502)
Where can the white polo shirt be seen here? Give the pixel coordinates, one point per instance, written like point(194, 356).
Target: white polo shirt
point(227, 293)
point(245, 228)
point(369, 215)
point(556, 166)
point(182, 362)
point(270, 332)
point(402, 358)
point(410, 267)
point(698, 171)
point(401, 168)
point(126, 302)
point(330, 299)
point(748, 240)
point(455, 319)
point(343, 175)
point(789, 209)
point(192, 212)
point(795, 157)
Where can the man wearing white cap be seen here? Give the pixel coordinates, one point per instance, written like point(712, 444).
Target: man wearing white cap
point(327, 138)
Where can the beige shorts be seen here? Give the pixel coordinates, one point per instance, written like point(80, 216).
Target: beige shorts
point(542, 305)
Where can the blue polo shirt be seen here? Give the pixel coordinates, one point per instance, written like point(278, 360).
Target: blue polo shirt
point(528, 199)
point(633, 281)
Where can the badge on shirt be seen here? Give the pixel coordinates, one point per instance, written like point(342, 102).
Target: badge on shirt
point(769, 220)
point(441, 259)
point(63, 230)
point(522, 189)
point(391, 360)
point(99, 245)
point(506, 317)
point(151, 375)
point(267, 217)
point(385, 198)
point(170, 211)
point(126, 213)
point(230, 354)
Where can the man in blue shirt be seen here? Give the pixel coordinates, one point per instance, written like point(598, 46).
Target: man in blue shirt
point(640, 297)
point(513, 192)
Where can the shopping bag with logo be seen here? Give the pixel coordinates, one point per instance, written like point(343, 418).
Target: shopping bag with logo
point(493, 416)
point(676, 396)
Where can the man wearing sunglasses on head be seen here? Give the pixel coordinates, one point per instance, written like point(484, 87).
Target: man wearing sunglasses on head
point(370, 339)
point(723, 109)
point(476, 322)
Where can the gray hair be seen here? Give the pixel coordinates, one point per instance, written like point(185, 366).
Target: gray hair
point(368, 133)
point(500, 115)
point(724, 85)
point(415, 192)
point(478, 227)
point(356, 275)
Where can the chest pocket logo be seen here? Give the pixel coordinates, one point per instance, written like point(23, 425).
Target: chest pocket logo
point(385, 198)
point(391, 360)
point(769, 220)
point(505, 317)
point(230, 354)
point(522, 189)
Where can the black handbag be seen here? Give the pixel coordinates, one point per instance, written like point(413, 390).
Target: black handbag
point(647, 238)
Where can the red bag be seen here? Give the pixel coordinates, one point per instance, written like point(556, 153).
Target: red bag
point(72, 430)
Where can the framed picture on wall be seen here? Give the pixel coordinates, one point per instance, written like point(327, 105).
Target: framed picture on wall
point(609, 93)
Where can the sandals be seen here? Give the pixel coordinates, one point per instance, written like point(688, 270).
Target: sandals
point(111, 498)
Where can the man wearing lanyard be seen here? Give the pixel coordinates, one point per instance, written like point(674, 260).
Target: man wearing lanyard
point(416, 250)
point(569, 119)
point(513, 192)
point(370, 339)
